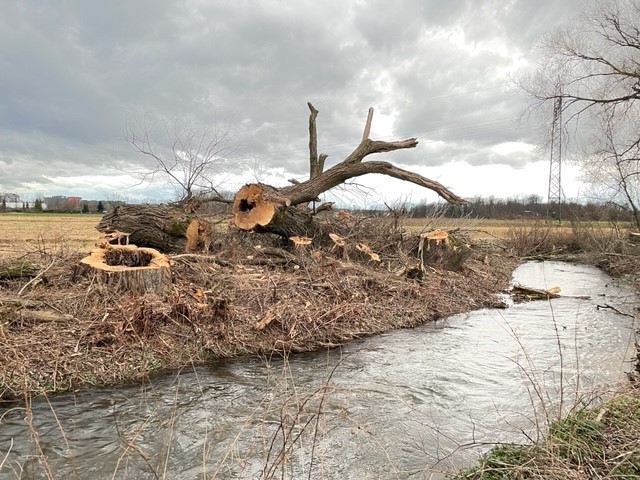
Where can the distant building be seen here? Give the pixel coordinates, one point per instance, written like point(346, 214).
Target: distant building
point(75, 201)
point(62, 203)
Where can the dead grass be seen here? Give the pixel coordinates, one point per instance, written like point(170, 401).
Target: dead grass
point(24, 232)
point(485, 229)
point(252, 295)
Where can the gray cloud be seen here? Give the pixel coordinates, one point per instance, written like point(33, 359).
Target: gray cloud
point(74, 72)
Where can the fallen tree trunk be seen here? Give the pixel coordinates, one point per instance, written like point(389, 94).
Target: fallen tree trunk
point(264, 208)
point(162, 227)
point(522, 293)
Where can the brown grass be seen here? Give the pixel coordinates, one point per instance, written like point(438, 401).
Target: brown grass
point(255, 295)
point(21, 232)
point(484, 229)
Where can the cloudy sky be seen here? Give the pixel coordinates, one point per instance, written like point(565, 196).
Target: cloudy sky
point(75, 76)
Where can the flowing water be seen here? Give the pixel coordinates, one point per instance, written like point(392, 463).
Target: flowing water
point(406, 404)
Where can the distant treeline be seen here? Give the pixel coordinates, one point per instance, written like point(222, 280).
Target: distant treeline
point(521, 208)
point(479, 207)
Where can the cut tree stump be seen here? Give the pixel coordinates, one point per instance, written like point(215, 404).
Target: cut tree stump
point(128, 268)
point(437, 248)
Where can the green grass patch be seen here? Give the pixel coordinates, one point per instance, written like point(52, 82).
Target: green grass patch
point(604, 441)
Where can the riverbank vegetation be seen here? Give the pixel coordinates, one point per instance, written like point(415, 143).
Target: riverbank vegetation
point(598, 442)
point(593, 441)
point(255, 294)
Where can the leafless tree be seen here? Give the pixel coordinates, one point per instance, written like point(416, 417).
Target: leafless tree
point(594, 66)
point(192, 160)
point(614, 165)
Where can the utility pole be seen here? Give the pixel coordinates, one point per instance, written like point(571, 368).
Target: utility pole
point(554, 199)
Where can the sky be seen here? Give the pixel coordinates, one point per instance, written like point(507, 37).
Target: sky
point(77, 77)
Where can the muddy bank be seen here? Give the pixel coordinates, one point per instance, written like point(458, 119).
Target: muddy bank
point(62, 331)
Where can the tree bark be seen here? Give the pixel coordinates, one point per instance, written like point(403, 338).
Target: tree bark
point(316, 163)
point(162, 227)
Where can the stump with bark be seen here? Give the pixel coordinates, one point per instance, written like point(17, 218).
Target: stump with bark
point(128, 268)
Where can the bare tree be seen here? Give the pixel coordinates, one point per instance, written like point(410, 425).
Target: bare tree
point(614, 166)
point(192, 159)
point(594, 66)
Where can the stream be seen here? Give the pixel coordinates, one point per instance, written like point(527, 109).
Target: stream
point(407, 404)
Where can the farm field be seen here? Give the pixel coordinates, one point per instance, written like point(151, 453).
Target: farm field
point(482, 228)
point(25, 232)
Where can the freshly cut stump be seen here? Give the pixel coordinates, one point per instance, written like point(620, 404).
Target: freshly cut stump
point(128, 268)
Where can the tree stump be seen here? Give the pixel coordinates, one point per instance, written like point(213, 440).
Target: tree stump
point(128, 268)
point(439, 249)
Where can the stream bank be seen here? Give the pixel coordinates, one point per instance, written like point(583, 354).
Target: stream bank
point(63, 332)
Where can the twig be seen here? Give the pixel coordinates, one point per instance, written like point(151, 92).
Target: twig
point(37, 277)
point(618, 311)
point(133, 446)
point(64, 436)
point(319, 412)
point(7, 454)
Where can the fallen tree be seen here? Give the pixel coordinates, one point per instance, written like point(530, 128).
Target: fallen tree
point(263, 208)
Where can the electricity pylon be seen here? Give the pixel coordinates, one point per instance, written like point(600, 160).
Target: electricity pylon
point(554, 199)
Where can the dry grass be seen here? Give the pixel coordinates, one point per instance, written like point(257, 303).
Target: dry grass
point(254, 295)
point(485, 229)
point(23, 232)
point(60, 329)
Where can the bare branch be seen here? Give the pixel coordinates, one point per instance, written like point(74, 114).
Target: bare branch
point(309, 190)
point(313, 143)
point(190, 161)
point(596, 64)
point(367, 126)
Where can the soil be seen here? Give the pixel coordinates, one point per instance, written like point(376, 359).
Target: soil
point(61, 330)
